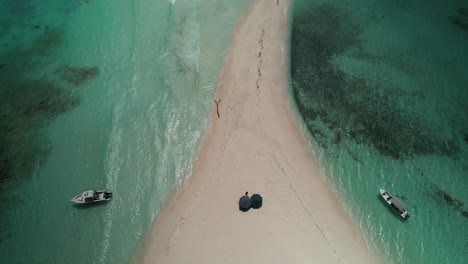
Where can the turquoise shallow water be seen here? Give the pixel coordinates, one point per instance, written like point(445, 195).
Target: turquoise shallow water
point(382, 88)
point(100, 94)
point(114, 94)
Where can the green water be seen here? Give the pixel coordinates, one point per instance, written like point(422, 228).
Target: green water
point(114, 94)
point(95, 94)
point(382, 88)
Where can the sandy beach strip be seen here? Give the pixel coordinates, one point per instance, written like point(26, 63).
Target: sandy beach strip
point(256, 146)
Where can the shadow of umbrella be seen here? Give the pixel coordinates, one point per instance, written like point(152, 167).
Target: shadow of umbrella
point(244, 203)
point(256, 201)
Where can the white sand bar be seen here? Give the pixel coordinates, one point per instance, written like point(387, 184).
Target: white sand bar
point(256, 146)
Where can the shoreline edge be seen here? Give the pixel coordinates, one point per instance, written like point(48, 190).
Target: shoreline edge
point(255, 145)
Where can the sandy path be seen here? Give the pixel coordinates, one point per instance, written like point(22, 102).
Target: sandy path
point(255, 146)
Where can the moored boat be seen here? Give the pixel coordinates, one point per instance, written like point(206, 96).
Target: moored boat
point(92, 196)
point(396, 204)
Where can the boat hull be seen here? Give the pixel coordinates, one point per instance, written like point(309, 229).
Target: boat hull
point(90, 197)
point(394, 203)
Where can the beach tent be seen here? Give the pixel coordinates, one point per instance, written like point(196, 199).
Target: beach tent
point(244, 203)
point(256, 201)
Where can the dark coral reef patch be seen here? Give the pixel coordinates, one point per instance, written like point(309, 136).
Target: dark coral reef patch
point(460, 20)
point(337, 106)
point(26, 106)
point(77, 75)
point(30, 98)
point(32, 95)
point(448, 199)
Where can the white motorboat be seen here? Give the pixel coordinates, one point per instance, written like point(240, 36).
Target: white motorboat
point(396, 204)
point(92, 196)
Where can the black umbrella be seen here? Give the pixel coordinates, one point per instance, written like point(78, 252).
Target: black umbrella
point(256, 201)
point(244, 203)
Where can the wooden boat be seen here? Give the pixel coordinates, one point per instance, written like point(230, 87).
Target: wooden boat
point(396, 204)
